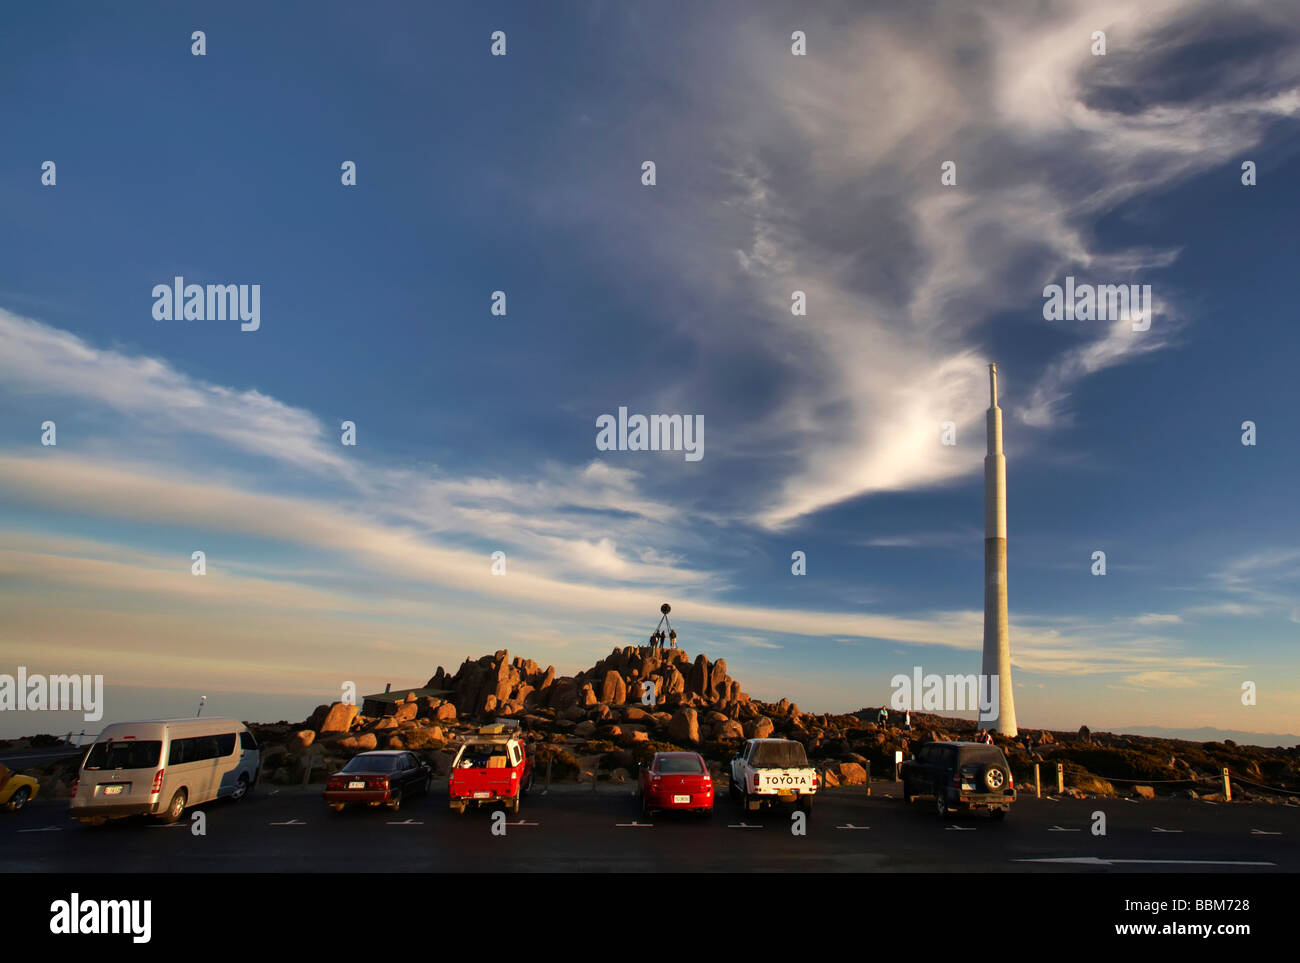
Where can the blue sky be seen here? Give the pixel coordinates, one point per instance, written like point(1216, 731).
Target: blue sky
point(476, 433)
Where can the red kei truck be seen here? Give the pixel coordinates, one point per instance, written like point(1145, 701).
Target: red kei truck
point(493, 766)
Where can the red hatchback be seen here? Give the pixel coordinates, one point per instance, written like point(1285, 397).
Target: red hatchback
point(676, 780)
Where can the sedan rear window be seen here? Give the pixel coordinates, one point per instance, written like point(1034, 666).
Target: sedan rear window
point(124, 754)
point(679, 764)
point(365, 763)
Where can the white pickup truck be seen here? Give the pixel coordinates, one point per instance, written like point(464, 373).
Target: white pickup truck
point(770, 771)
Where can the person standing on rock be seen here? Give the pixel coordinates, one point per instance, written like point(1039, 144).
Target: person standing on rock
point(907, 721)
point(882, 716)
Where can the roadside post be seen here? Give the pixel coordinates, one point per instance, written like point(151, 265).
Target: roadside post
point(898, 762)
point(868, 777)
point(1038, 781)
point(1227, 786)
point(1060, 778)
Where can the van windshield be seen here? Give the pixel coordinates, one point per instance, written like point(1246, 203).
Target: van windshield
point(124, 754)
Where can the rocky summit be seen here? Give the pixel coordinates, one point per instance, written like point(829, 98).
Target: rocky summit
point(602, 722)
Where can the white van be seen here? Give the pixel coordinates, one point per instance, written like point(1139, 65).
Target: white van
point(162, 766)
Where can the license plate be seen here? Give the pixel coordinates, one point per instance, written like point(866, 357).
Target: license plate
point(482, 795)
point(356, 785)
point(682, 799)
point(112, 790)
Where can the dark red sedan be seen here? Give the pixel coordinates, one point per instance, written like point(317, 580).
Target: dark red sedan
point(676, 780)
point(382, 778)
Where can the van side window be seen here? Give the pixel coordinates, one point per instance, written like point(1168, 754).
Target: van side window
point(179, 752)
point(225, 744)
point(246, 740)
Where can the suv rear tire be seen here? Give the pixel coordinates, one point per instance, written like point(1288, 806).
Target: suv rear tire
point(994, 778)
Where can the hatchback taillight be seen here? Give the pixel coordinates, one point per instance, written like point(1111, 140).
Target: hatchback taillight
point(157, 780)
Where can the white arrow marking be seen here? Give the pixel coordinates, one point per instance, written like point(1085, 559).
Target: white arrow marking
point(1096, 861)
point(291, 822)
point(961, 829)
point(1263, 832)
point(743, 825)
point(523, 822)
point(1062, 829)
point(43, 829)
point(851, 826)
point(408, 822)
point(634, 825)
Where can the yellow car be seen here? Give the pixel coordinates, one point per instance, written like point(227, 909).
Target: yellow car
point(18, 792)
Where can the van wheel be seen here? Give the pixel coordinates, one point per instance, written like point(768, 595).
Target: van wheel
point(241, 788)
point(175, 807)
point(18, 800)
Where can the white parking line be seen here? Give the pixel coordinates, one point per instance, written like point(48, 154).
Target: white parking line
point(407, 822)
point(1157, 829)
point(1062, 829)
point(634, 825)
point(43, 829)
point(291, 822)
point(961, 829)
point(1263, 832)
point(176, 825)
point(851, 826)
point(523, 822)
point(1098, 861)
point(743, 825)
